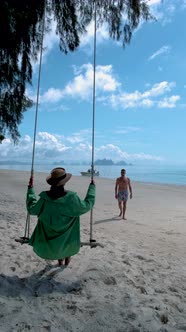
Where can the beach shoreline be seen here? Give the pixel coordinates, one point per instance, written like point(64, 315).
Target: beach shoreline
point(45, 173)
point(161, 174)
point(135, 283)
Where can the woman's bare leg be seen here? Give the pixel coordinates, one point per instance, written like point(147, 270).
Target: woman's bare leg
point(60, 262)
point(67, 261)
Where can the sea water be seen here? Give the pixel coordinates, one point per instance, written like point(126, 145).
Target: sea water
point(165, 174)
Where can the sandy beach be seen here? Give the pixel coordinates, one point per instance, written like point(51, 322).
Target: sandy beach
point(135, 283)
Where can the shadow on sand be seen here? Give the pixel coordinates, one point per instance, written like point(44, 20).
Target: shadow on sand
point(106, 220)
point(38, 284)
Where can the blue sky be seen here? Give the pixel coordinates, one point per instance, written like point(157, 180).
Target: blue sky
point(140, 113)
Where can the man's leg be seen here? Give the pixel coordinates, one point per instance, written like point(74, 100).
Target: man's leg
point(120, 208)
point(124, 209)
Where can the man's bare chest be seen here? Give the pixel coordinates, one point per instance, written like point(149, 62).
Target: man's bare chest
point(123, 181)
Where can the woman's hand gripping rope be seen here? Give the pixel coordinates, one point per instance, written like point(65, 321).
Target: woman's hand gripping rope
point(31, 182)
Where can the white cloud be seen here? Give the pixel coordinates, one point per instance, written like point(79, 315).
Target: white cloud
point(82, 84)
point(153, 2)
point(49, 147)
point(109, 91)
point(111, 151)
point(159, 89)
point(147, 99)
point(147, 103)
point(81, 136)
point(50, 38)
point(145, 156)
point(27, 138)
point(74, 139)
point(163, 50)
point(49, 42)
point(168, 102)
point(53, 148)
point(87, 40)
point(164, 11)
point(184, 4)
point(47, 138)
point(52, 95)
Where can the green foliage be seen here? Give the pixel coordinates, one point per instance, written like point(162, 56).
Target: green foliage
point(21, 35)
point(1, 138)
point(19, 42)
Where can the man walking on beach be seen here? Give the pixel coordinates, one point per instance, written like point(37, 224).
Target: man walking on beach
point(121, 192)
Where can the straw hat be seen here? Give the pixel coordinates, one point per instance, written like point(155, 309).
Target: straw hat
point(58, 177)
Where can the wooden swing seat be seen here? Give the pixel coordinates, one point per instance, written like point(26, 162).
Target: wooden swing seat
point(22, 240)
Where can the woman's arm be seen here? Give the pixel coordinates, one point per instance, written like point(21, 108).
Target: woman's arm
point(79, 206)
point(33, 205)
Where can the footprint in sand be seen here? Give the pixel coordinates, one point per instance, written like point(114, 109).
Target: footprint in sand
point(12, 268)
point(109, 281)
point(126, 261)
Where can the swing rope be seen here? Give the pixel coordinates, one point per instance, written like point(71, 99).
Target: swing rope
point(93, 118)
point(25, 238)
point(92, 243)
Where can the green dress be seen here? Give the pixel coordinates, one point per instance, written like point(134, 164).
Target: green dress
point(57, 233)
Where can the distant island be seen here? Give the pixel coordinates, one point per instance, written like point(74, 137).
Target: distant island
point(98, 162)
point(110, 162)
point(14, 162)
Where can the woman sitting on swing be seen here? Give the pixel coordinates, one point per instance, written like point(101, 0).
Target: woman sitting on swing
point(57, 233)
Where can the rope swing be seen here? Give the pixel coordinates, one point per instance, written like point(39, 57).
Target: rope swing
point(92, 243)
point(25, 238)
